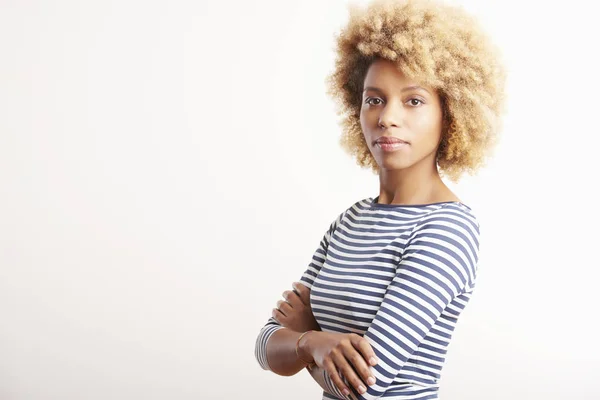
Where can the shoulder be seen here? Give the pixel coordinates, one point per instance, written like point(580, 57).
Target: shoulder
point(453, 225)
point(452, 214)
point(450, 236)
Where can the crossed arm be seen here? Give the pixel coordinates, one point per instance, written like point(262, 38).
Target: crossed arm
point(295, 313)
point(438, 263)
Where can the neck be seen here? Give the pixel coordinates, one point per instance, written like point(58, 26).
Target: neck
point(418, 186)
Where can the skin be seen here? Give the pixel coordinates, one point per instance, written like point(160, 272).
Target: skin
point(396, 106)
point(329, 351)
point(393, 105)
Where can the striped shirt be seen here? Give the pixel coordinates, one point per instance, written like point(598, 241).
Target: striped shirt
point(398, 275)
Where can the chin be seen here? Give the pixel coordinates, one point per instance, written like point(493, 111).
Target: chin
point(390, 164)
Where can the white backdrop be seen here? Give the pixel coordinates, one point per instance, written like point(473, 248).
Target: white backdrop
point(168, 168)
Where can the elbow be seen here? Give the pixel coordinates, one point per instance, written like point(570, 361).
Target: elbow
point(285, 373)
point(260, 353)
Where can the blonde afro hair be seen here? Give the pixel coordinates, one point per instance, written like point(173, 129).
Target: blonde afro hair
point(438, 45)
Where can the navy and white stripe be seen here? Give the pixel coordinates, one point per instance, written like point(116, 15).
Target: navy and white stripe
point(399, 275)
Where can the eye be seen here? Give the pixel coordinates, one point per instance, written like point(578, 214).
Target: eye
point(418, 102)
point(370, 100)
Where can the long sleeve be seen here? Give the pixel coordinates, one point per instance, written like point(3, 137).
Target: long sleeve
point(307, 279)
point(438, 263)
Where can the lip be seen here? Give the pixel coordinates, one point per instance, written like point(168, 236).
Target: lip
point(389, 140)
point(390, 144)
point(390, 147)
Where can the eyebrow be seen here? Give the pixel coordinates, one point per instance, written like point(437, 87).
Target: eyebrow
point(413, 87)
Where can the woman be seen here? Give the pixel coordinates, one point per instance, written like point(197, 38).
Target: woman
point(421, 90)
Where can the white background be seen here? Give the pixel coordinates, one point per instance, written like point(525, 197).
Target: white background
point(168, 168)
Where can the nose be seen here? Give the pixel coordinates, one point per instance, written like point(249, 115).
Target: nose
point(390, 116)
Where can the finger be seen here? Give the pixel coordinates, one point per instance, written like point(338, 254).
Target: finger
point(293, 299)
point(303, 292)
point(330, 367)
point(284, 307)
point(346, 369)
point(359, 365)
point(363, 346)
point(278, 315)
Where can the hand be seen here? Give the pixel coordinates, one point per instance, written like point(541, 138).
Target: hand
point(341, 354)
point(295, 312)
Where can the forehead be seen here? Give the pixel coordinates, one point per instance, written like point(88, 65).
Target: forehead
point(386, 75)
point(387, 72)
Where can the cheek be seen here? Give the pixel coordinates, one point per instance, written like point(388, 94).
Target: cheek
point(367, 120)
point(364, 126)
point(431, 125)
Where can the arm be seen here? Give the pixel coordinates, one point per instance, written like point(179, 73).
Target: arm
point(295, 313)
point(438, 263)
point(275, 345)
point(281, 353)
point(277, 352)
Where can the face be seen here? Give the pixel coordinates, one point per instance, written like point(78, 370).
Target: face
point(401, 120)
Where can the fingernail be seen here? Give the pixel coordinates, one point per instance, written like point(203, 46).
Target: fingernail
point(346, 392)
point(373, 361)
point(361, 389)
point(371, 380)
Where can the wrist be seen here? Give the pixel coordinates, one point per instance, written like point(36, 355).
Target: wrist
point(303, 349)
